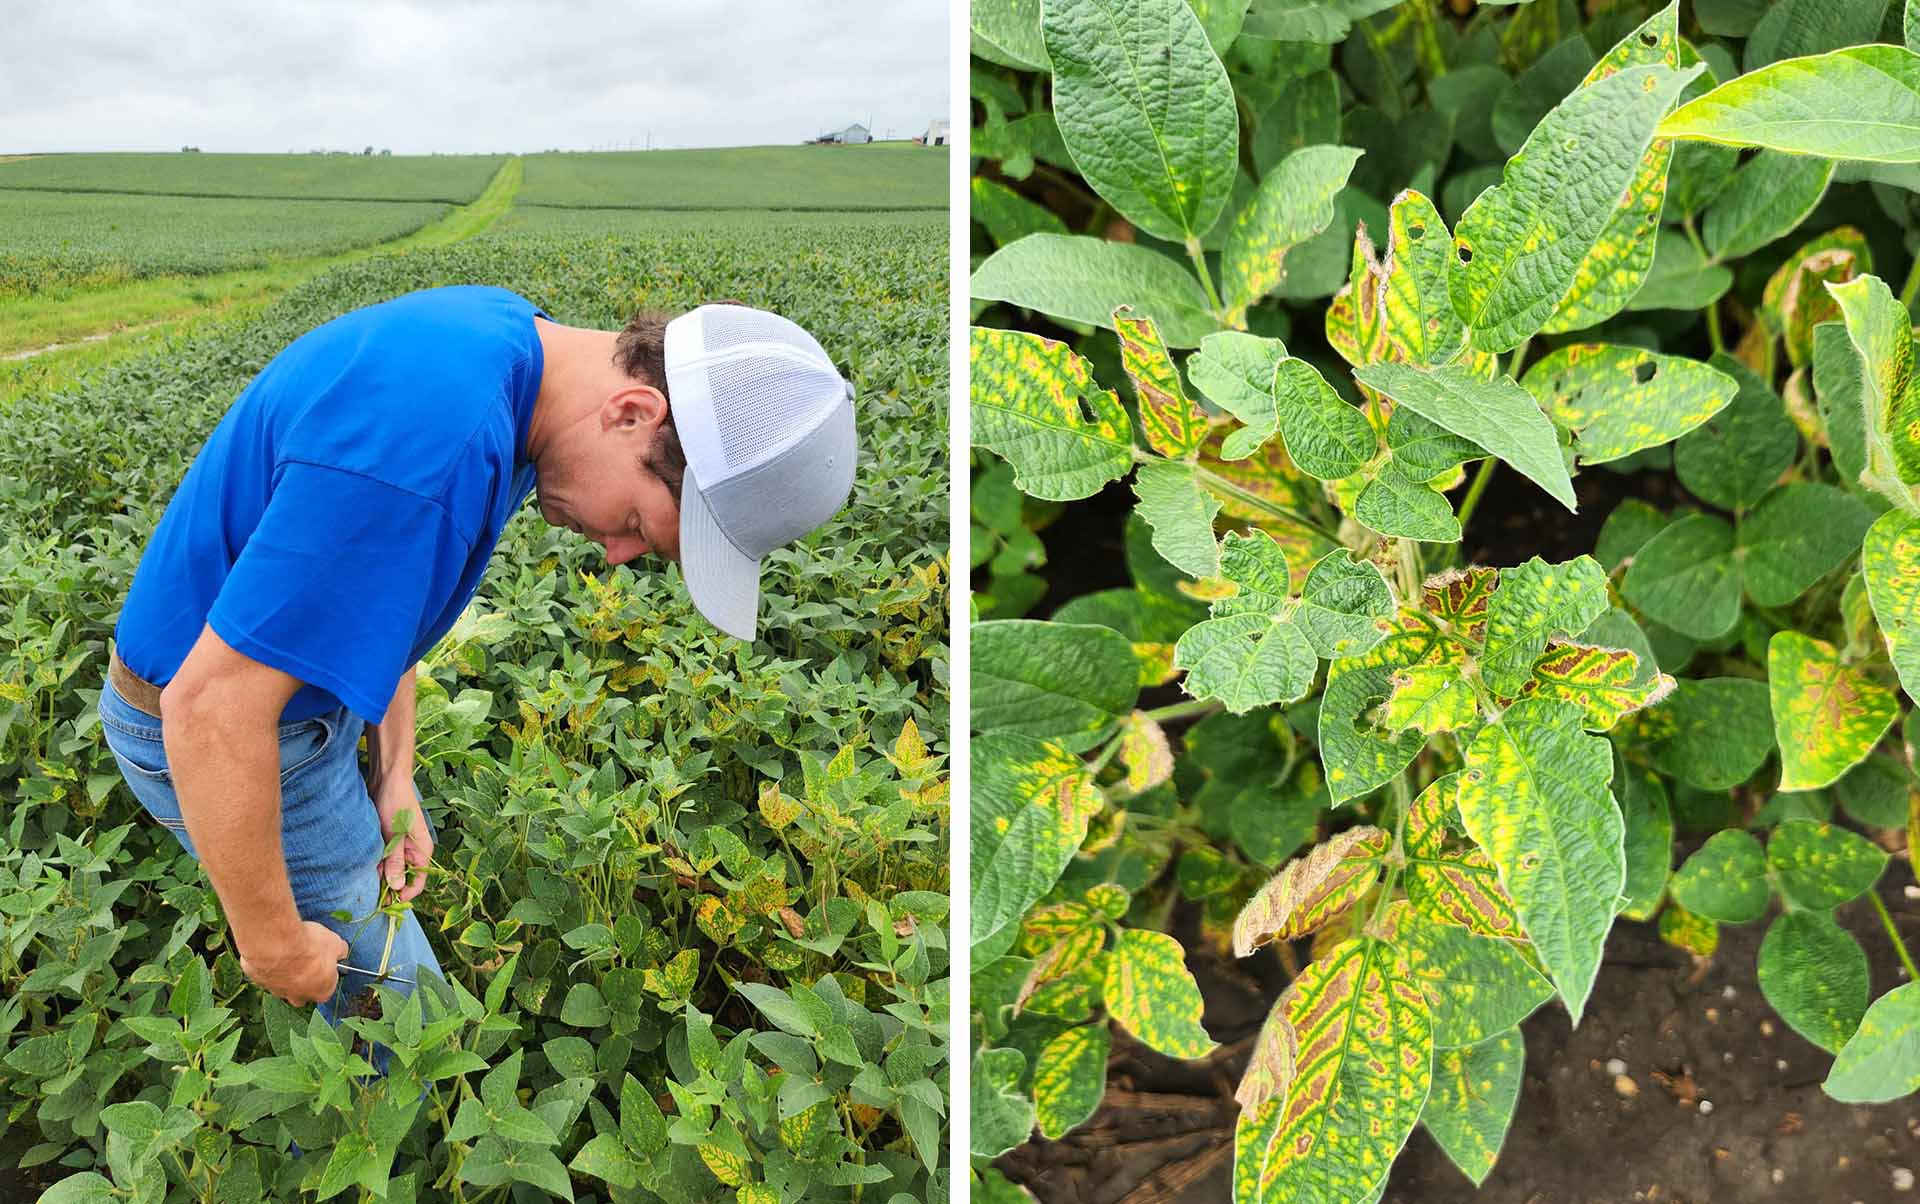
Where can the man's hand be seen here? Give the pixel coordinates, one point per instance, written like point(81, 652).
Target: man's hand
point(303, 971)
point(404, 869)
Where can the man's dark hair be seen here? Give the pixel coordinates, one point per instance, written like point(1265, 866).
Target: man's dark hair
point(641, 352)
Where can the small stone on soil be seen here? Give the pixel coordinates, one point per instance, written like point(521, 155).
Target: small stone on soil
point(1779, 1176)
point(1766, 1028)
point(1910, 891)
point(1625, 1087)
point(1727, 992)
point(1902, 1179)
point(1713, 1015)
point(1616, 1067)
point(1706, 1107)
point(1779, 1063)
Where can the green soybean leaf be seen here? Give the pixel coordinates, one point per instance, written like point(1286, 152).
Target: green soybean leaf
point(1862, 102)
point(1881, 1061)
point(1235, 371)
point(1820, 866)
point(1792, 28)
point(1534, 797)
point(1737, 455)
point(1629, 526)
point(1680, 276)
point(1035, 403)
point(1000, 1113)
point(1069, 1077)
point(1476, 985)
point(1425, 450)
point(1030, 804)
point(1533, 602)
point(1359, 758)
point(1685, 578)
point(1725, 879)
point(1345, 606)
point(1764, 199)
point(1145, 109)
point(1498, 415)
point(1085, 279)
point(1325, 436)
point(1890, 561)
point(1882, 333)
point(1715, 731)
point(1545, 82)
point(1620, 400)
point(1837, 384)
point(1364, 1036)
point(1874, 792)
point(1827, 714)
point(1520, 247)
point(1649, 819)
point(1173, 425)
point(1796, 300)
point(1294, 203)
point(1399, 504)
point(1796, 535)
point(1814, 974)
point(1251, 652)
point(1181, 514)
point(1063, 681)
point(1149, 989)
point(1008, 31)
point(1471, 1105)
point(1910, 25)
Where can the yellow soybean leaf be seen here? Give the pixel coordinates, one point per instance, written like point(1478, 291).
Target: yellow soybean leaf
point(1149, 989)
point(1173, 425)
point(1449, 885)
point(1827, 715)
point(1036, 404)
point(1600, 681)
point(1310, 891)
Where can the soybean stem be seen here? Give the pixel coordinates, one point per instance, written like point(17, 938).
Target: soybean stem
point(1199, 257)
point(1250, 498)
point(1181, 710)
point(1899, 946)
point(1474, 491)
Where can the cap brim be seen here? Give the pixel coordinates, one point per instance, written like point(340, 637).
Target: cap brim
point(723, 581)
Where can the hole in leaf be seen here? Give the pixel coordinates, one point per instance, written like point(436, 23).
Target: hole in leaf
point(1086, 412)
point(1416, 231)
point(1530, 861)
point(1649, 38)
point(1466, 253)
point(1643, 371)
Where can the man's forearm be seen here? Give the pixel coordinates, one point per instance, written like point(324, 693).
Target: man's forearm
point(226, 771)
point(390, 744)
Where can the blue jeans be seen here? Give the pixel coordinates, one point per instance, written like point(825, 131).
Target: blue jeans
point(329, 837)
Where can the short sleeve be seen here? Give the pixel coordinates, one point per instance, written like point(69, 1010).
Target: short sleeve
point(337, 582)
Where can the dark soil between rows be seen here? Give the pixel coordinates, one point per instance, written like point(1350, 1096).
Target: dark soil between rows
point(1724, 1106)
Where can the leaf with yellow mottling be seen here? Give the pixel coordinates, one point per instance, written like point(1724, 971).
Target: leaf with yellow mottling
point(1294, 203)
point(1150, 990)
point(1069, 1077)
point(1355, 323)
point(1827, 715)
point(1890, 561)
point(1881, 1061)
point(728, 1166)
point(1618, 400)
point(1109, 899)
point(1795, 299)
point(1310, 891)
point(1600, 681)
point(1534, 602)
point(1358, 754)
point(1471, 1106)
point(1684, 930)
point(1430, 699)
point(1617, 264)
point(1421, 325)
point(1144, 752)
point(1064, 958)
point(1882, 335)
point(1270, 1067)
point(1363, 1040)
point(1820, 866)
point(1534, 796)
point(1477, 986)
point(1173, 425)
point(1030, 805)
point(1452, 886)
point(1459, 597)
point(1035, 403)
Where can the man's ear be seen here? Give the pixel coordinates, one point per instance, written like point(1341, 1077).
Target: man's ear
point(641, 408)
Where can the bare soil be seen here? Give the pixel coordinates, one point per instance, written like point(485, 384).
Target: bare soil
point(1723, 1106)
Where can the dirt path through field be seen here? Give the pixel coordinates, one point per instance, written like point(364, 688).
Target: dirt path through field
point(36, 325)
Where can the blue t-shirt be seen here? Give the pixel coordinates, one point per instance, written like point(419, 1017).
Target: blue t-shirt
point(342, 512)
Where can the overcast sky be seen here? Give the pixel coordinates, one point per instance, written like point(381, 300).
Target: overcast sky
point(464, 75)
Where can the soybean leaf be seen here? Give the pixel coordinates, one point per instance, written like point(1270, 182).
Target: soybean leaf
point(1881, 1061)
point(1520, 245)
point(1714, 732)
point(1533, 602)
point(1827, 714)
point(1149, 989)
point(1008, 32)
point(1498, 415)
point(1063, 681)
point(1460, 887)
point(1173, 425)
point(1605, 683)
point(1477, 986)
point(1000, 1113)
point(1310, 892)
point(1837, 385)
point(1764, 199)
point(1792, 28)
point(1814, 974)
point(1327, 437)
point(1236, 372)
point(1416, 312)
point(1738, 454)
point(1796, 300)
point(1680, 277)
point(1085, 279)
point(1332, 1127)
point(1890, 561)
point(1294, 203)
point(1534, 797)
point(1430, 699)
point(1471, 1105)
point(1820, 866)
point(1725, 879)
point(1649, 819)
point(1035, 403)
point(1882, 333)
point(1796, 535)
point(1394, 502)
point(1145, 109)
point(1069, 1077)
point(1685, 577)
point(1028, 813)
point(1620, 400)
point(1181, 513)
point(1345, 606)
point(1357, 758)
point(1327, 21)
point(1862, 102)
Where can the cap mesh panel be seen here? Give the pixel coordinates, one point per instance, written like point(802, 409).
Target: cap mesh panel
point(762, 402)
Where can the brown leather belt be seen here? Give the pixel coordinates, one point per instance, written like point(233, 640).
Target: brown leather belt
point(140, 693)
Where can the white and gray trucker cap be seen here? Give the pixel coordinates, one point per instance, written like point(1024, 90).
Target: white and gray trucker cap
point(767, 427)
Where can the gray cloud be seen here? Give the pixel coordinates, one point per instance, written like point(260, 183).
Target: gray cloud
point(464, 75)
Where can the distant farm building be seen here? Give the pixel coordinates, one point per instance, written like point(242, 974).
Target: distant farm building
point(853, 135)
point(939, 133)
